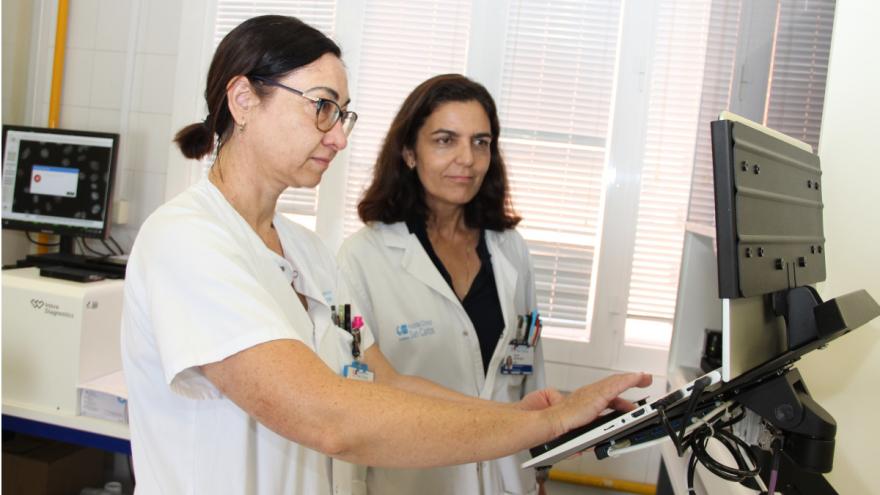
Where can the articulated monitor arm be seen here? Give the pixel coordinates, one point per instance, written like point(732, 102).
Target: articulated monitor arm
point(808, 429)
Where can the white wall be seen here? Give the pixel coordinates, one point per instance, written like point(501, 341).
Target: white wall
point(843, 378)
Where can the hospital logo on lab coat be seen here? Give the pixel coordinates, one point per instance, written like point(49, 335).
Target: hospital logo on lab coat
point(414, 330)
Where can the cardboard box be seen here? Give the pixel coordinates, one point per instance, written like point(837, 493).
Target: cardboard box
point(33, 466)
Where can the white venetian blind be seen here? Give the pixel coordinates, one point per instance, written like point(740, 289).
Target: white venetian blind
point(403, 43)
point(720, 58)
point(793, 106)
point(796, 89)
point(320, 14)
point(557, 84)
point(800, 67)
point(671, 130)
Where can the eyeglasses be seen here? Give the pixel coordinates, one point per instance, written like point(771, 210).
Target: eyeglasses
point(328, 112)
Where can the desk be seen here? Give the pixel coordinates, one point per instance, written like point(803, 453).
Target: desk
point(79, 430)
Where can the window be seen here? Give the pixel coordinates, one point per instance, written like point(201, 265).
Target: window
point(604, 109)
point(555, 105)
point(801, 44)
point(685, 97)
point(672, 126)
point(799, 68)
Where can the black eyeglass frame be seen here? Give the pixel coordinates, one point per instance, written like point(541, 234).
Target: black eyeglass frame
point(343, 115)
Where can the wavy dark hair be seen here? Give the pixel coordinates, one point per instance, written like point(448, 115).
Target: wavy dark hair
point(268, 47)
point(396, 194)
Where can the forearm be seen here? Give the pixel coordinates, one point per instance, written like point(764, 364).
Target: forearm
point(387, 375)
point(427, 388)
point(369, 423)
point(287, 388)
point(393, 428)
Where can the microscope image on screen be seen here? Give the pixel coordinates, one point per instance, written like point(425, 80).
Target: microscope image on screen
point(61, 179)
point(58, 181)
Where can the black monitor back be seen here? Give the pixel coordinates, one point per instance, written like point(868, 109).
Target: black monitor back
point(768, 212)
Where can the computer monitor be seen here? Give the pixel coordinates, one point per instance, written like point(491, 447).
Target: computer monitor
point(58, 181)
point(768, 210)
point(765, 225)
point(770, 241)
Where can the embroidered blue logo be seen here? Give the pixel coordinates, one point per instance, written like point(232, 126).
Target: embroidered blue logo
point(414, 330)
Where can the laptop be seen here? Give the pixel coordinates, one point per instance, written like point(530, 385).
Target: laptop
point(698, 286)
point(614, 423)
point(836, 317)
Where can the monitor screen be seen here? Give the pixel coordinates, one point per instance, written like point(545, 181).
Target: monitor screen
point(768, 210)
point(58, 181)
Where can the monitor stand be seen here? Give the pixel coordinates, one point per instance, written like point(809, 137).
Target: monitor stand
point(66, 245)
point(805, 429)
point(796, 306)
point(67, 257)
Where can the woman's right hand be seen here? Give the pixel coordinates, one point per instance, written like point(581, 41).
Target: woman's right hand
point(586, 403)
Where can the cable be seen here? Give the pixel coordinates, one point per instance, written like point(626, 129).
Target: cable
point(107, 247)
point(698, 440)
point(774, 470)
point(697, 391)
point(89, 248)
point(679, 448)
point(118, 247)
point(744, 457)
point(38, 243)
point(700, 422)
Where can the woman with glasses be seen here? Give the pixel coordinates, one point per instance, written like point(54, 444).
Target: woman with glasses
point(440, 258)
point(244, 374)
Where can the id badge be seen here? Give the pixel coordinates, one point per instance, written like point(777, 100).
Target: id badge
point(357, 371)
point(520, 360)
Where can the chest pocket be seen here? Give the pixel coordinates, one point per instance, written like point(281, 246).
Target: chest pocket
point(335, 348)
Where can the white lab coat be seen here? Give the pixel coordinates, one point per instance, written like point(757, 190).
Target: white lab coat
point(202, 286)
point(423, 330)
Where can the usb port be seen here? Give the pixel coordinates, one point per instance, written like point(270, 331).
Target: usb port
point(667, 401)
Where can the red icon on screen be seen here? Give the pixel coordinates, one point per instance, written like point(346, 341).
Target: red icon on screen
point(37, 178)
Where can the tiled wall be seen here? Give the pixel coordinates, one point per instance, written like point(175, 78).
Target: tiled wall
point(105, 89)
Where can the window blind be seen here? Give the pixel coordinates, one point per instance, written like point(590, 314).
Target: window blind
point(800, 67)
point(796, 90)
point(720, 58)
point(556, 88)
point(320, 14)
point(793, 105)
point(403, 43)
point(673, 111)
